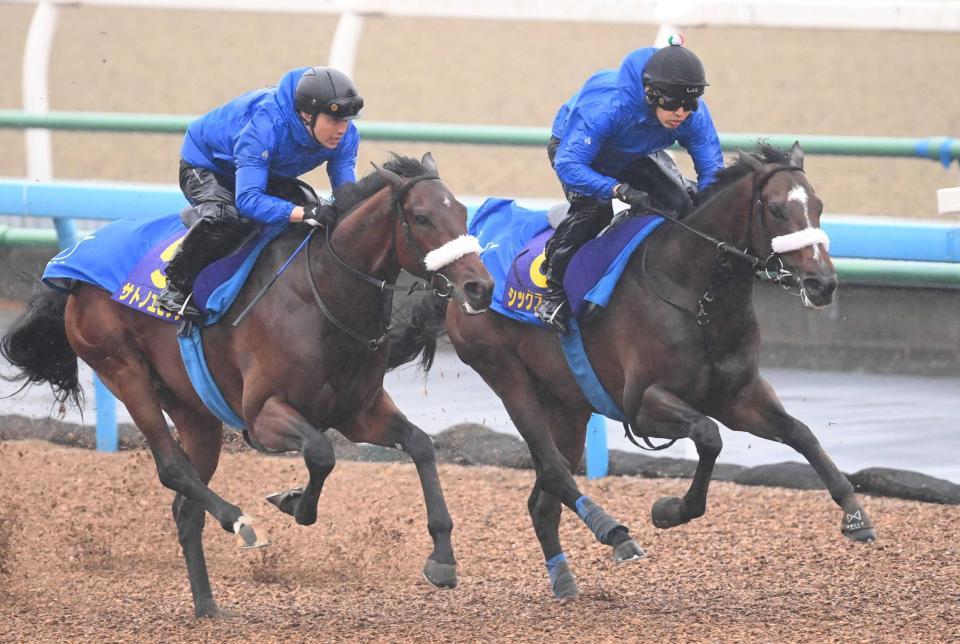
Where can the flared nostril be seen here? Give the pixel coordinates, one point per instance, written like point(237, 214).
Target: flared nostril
point(478, 291)
point(819, 286)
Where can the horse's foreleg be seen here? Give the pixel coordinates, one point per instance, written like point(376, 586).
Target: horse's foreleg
point(279, 426)
point(383, 424)
point(756, 409)
point(664, 415)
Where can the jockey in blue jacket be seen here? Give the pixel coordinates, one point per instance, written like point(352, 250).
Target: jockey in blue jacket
point(608, 142)
point(239, 163)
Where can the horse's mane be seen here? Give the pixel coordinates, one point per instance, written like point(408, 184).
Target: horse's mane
point(349, 195)
point(739, 169)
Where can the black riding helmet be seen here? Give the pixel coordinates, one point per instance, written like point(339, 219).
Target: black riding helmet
point(674, 76)
point(328, 91)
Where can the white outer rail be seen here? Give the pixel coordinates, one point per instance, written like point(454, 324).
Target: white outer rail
point(912, 15)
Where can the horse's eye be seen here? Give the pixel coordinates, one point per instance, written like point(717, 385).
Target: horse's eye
point(422, 220)
point(778, 211)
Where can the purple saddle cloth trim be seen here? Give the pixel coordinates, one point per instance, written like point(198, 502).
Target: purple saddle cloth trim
point(591, 275)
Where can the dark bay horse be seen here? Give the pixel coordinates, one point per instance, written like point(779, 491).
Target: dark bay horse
point(678, 344)
point(311, 355)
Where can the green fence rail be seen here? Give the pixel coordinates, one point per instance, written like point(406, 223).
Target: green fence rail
point(939, 148)
point(14, 236)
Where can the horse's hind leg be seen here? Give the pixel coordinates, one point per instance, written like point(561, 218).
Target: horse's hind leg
point(202, 438)
point(664, 415)
point(383, 424)
point(756, 409)
point(543, 429)
point(279, 426)
point(173, 466)
point(101, 340)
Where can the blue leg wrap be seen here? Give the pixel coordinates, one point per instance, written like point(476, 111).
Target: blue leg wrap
point(554, 567)
point(601, 523)
point(562, 582)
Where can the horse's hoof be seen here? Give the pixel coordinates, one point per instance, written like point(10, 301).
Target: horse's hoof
point(563, 584)
point(246, 536)
point(210, 610)
point(286, 502)
point(629, 550)
point(856, 526)
point(440, 575)
point(863, 535)
point(667, 512)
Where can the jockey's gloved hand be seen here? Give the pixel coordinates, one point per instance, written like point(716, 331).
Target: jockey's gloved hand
point(638, 199)
point(320, 214)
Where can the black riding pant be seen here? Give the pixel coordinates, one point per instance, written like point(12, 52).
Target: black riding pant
point(219, 228)
point(217, 231)
point(656, 175)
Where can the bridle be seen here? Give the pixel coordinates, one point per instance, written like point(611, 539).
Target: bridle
point(772, 268)
point(443, 290)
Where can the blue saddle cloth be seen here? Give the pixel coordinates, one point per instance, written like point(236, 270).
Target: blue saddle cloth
point(127, 258)
point(513, 239)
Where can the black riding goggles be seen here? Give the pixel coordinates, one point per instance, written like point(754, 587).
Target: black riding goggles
point(343, 108)
point(674, 103)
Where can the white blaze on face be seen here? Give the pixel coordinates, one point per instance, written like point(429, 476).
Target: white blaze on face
point(446, 201)
point(799, 194)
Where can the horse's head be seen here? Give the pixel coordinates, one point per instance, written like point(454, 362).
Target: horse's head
point(785, 226)
point(432, 240)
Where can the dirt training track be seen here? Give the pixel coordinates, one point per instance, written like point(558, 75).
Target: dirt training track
point(88, 552)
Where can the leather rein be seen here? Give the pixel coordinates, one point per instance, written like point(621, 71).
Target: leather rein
point(777, 275)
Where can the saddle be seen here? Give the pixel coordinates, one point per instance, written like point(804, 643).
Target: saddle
point(514, 239)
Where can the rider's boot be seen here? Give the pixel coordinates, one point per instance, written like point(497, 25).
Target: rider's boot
point(554, 309)
point(193, 254)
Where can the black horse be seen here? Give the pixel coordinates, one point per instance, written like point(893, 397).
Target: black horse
point(679, 344)
point(310, 356)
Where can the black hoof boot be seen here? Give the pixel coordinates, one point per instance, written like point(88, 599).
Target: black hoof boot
point(554, 313)
point(173, 301)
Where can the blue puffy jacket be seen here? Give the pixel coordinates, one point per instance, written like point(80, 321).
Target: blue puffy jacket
point(260, 134)
point(608, 124)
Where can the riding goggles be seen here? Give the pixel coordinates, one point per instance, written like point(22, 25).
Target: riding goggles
point(674, 103)
point(343, 108)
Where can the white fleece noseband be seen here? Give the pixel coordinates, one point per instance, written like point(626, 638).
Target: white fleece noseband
point(451, 252)
point(800, 239)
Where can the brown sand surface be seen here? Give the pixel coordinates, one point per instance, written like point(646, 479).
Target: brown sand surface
point(88, 552)
point(839, 82)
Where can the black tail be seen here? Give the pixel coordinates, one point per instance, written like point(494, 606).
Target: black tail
point(37, 346)
point(418, 333)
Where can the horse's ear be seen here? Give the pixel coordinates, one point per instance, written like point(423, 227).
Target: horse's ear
point(796, 155)
point(389, 176)
point(751, 161)
point(428, 163)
